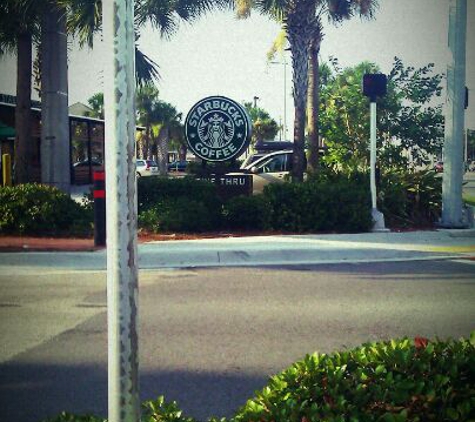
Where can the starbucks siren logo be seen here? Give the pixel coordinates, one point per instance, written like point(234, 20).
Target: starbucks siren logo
point(217, 129)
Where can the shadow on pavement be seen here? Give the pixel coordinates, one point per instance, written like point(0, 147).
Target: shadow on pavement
point(32, 392)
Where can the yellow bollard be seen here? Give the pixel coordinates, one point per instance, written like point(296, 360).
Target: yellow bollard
point(7, 169)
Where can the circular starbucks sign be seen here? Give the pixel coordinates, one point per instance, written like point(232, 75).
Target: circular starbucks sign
point(217, 129)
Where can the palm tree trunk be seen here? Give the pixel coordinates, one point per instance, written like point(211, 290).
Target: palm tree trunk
point(162, 150)
point(55, 142)
point(182, 150)
point(300, 75)
point(313, 106)
point(23, 145)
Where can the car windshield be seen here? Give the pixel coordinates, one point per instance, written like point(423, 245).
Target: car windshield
point(152, 163)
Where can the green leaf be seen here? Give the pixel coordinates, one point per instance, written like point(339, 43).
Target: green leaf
point(452, 414)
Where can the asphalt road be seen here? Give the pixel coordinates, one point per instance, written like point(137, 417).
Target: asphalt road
point(210, 337)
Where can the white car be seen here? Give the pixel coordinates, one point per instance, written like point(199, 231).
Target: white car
point(146, 168)
point(270, 168)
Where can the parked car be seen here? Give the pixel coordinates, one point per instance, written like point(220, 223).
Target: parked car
point(83, 171)
point(178, 165)
point(439, 166)
point(269, 168)
point(146, 168)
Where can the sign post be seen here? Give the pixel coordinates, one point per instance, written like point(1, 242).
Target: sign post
point(121, 210)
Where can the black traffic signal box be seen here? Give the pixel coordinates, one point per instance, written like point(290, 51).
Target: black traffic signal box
point(374, 85)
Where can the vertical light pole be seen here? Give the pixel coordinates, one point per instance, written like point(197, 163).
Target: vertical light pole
point(374, 86)
point(121, 214)
point(452, 204)
point(284, 63)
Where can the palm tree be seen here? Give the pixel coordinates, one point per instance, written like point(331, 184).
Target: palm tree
point(55, 147)
point(162, 122)
point(336, 13)
point(302, 21)
point(169, 125)
point(18, 27)
point(96, 102)
point(145, 101)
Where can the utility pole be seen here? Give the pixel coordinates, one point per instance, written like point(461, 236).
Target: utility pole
point(453, 215)
point(121, 211)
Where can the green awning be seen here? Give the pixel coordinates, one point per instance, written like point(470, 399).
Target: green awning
point(6, 132)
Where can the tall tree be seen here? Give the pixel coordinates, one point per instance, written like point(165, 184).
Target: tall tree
point(147, 95)
point(96, 102)
point(302, 21)
point(168, 126)
point(55, 145)
point(410, 127)
point(264, 127)
point(18, 27)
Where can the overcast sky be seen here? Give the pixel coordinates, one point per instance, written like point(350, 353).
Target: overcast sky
point(219, 55)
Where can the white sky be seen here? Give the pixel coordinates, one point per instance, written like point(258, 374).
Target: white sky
point(219, 55)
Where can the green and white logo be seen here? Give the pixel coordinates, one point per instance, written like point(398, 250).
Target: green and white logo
point(217, 129)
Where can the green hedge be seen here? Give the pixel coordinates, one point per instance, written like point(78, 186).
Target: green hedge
point(393, 381)
point(411, 198)
point(340, 203)
point(248, 213)
point(34, 209)
point(178, 205)
point(153, 190)
point(336, 204)
point(327, 202)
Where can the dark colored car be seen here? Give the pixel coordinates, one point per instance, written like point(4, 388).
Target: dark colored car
point(178, 166)
point(83, 171)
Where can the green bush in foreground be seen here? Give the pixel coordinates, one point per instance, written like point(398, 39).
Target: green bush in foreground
point(35, 209)
point(393, 381)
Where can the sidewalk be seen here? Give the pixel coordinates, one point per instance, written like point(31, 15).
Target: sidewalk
point(264, 250)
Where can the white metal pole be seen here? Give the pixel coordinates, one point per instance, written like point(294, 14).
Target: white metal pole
point(452, 213)
point(285, 99)
point(373, 153)
point(121, 214)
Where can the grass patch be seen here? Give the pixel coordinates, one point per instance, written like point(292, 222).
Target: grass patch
point(469, 199)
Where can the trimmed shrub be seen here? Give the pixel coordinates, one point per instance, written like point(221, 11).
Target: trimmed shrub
point(35, 209)
point(178, 215)
point(247, 213)
point(397, 380)
point(178, 205)
point(153, 190)
point(161, 411)
point(411, 198)
point(336, 204)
